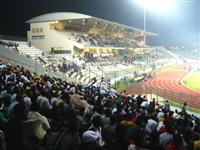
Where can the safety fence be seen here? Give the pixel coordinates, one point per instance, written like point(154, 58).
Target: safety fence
point(175, 98)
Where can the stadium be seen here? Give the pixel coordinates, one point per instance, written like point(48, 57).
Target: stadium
point(81, 82)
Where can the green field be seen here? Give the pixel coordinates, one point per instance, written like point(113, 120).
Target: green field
point(123, 84)
point(193, 81)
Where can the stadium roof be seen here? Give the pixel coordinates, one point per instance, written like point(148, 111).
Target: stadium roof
point(61, 16)
point(57, 16)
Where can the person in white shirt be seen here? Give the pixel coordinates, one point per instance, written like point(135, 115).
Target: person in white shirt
point(36, 125)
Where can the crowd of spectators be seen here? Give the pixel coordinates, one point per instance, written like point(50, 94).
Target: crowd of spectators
point(128, 57)
point(42, 112)
point(104, 40)
point(182, 53)
point(70, 67)
point(155, 54)
point(9, 44)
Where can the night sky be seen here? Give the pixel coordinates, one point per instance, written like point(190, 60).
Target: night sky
point(180, 27)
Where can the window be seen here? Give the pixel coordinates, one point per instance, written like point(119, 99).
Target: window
point(37, 30)
point(38, 37)
point(41, 30)
point(33, 30)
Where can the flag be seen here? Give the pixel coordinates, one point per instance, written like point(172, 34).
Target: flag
point(92, 81)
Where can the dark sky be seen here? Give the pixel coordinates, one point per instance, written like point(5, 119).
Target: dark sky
point(179, 27)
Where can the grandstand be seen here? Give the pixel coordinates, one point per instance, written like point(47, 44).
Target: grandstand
point(16, 58)
point(79, 47)
point(63, 31)
point(66, 35)
point(23, 48)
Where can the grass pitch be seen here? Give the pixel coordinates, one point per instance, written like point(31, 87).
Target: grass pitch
point(193, 81)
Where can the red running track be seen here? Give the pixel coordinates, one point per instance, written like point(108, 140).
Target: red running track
point(168, 84)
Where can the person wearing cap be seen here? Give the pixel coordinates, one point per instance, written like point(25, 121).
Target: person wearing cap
point(90, 141)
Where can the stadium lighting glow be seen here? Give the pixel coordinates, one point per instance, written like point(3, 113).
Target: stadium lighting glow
point(142, 43)
point(157, 5)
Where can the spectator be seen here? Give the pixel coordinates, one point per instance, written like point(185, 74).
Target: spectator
point(166, 138)
point(184, 107)
point(90, 141)
point(36, 125)
point(166, 106)
point(121, 141)
point(2, 141)
point(177, 143)
point(14, 131)
point(97, 128)
point(71, 140)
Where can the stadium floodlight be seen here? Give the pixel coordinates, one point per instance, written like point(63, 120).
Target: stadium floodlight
point(154, 5)
point(157, 5)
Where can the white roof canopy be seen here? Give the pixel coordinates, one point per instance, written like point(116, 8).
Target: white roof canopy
point(57, 16)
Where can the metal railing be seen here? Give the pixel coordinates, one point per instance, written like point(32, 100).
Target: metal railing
point(175, 98)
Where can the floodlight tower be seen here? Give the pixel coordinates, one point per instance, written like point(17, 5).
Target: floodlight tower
point(154, 5)
point(199, 52)
point(144, 26)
